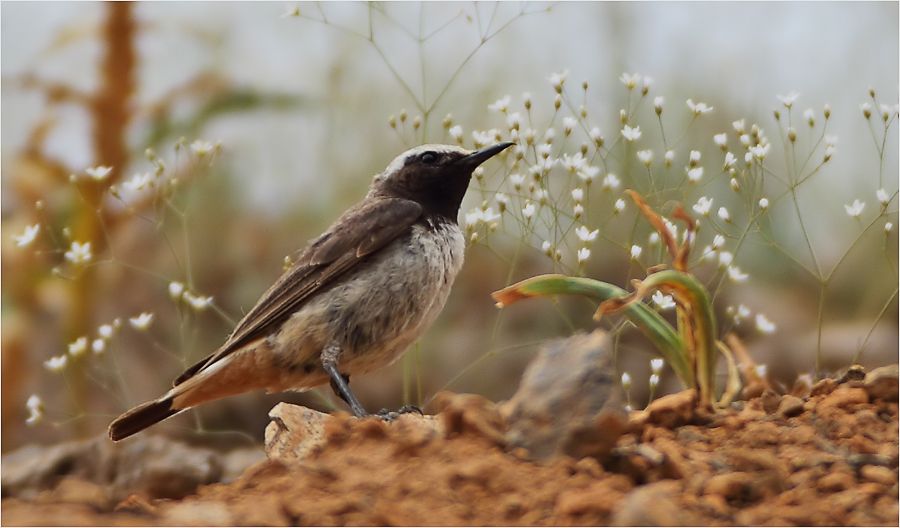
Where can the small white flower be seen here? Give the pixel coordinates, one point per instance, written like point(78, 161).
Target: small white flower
point(658, 102)
point(703, 206)
point(694, 175)
point(810, 116)
point(528, 210)
point(28, 236)
point(764, 325)
point(720, 139)
point(729, 160)
point(645, 156)
point(636, 251)
point(79, 253)
point(98, 346)
point(734, 184)
point(78, 347)
point(855, 209)
point(611, 181)
point(142, 321)
point(763, 203)
point(569, 123)
point(502, 199)
point(473, 217)
point(138, 182)
point(586, 235)
point(546, 247)
point(654, 380)
point(630, 80)
point(558, 79)
point(583, 254)
point(619, 205)
point(514, 120)
point(664, 302)
point(718, 242)
point(595, 134)
point(456, 132)
point(500, 105)
point(735, 274)
point(745, 140)
point(866, 109)
point(573, 163)
point(883, 196)
point(724, 214)
point(669, 157)
point(201, 147)
point(56, 363)
point(760, 151)
point(694, 156)
point(35, 409)
point(488, 215)
point(517, 180)
point(176, 289)
point(588, 173)
point(888, 227)
point(653, 239)
point(540, 195)
point(578, 194)
point(738, 126)
point(98, 173)
point(656, 365)
point(788, 100)
point(197, 302)
point(708, 253)
point(698, 108)
point(578, 210)
point(631, 134)
point(105, 331)
point(626, 380)
point(648, 82)
point(526, 99)
point(725, 258)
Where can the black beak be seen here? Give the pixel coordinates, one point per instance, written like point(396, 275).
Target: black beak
point(480, 156)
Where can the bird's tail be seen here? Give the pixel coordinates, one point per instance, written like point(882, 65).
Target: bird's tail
point(141, 417)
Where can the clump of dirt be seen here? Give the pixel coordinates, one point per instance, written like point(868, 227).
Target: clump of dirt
point(829, 458)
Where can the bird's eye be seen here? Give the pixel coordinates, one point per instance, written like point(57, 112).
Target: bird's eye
point(429, 158)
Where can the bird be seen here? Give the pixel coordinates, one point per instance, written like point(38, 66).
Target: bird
point(354, 299)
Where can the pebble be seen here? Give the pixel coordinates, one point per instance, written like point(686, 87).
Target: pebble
point(882, 383)
point(879, 474)
point(836, 481)
point(673, 410)
point(790, 406)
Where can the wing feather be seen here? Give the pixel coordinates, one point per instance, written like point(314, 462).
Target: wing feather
point(357, 234)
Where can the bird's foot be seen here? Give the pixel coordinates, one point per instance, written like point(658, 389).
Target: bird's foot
point(389, 416)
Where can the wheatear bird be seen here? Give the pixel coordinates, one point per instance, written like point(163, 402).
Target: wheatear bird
point(355, 299)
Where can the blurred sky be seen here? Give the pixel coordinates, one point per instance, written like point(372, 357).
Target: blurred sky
point(737, 56)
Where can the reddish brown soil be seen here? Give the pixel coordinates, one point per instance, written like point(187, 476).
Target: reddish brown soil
point(833, 463)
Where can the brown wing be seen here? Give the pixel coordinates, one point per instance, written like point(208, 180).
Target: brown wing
point(358, 233)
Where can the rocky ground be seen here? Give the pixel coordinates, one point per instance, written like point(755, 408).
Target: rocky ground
point(824, 455)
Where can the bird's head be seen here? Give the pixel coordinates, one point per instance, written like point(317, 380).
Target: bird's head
point(435, 176)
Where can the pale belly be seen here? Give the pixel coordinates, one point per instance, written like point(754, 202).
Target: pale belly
point(375, 313)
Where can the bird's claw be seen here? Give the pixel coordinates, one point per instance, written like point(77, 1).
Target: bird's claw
point(389, 416)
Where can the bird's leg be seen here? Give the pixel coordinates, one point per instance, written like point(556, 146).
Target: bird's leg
point(340, 383)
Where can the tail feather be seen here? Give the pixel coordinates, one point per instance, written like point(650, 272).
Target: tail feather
point(141, 417)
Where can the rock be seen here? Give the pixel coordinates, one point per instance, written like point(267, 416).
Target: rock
point(881, 383)
point(879, 474)
point(770, 401)
point(154, 465)
point(835, 481)
point(673, 410)
point(461, 414)
point(853, 373)
point(735, 486)
point(74, 490)
point(197, 514)
point(655, 504)
point(568, 401)
point(294, 432)
point(843, 397)
point(790, 406)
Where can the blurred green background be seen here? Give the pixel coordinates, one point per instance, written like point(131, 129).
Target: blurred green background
point(300, 105)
